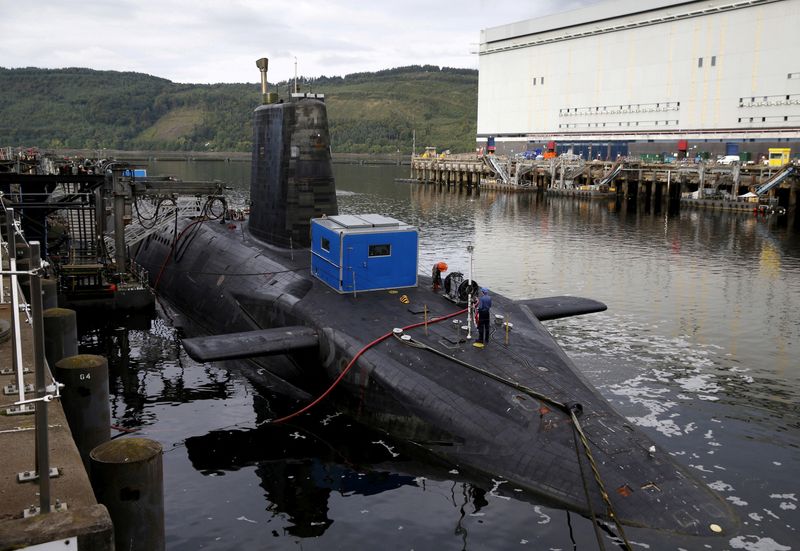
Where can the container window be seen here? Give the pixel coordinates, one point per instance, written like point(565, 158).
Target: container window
point(380, 250)
point(534, 81)
point(541, 80)
point(713, 61)
point(699, 61)
point(325, 244)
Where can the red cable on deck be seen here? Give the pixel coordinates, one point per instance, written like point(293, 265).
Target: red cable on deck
point(353, 361)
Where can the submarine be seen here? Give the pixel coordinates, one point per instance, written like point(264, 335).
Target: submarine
point(324, 306)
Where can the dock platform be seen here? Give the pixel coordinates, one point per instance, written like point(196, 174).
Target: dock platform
point(75, 515)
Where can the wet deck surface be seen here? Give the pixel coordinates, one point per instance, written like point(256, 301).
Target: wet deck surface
point(498, 428)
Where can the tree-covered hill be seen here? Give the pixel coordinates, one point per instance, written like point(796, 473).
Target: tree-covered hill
point(368, 112)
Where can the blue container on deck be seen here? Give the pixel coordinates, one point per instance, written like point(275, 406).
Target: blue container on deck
point(135, 173)
point(731, 148)
point(364, 252)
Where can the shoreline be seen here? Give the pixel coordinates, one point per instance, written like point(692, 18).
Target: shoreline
point(226, 156)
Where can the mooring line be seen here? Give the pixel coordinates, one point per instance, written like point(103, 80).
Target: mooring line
point(570, 409)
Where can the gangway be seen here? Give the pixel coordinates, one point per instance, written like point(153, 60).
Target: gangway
point(615, 170)
point(571, 173)
point(775, 180)
point(74, 204)
point(498, 168)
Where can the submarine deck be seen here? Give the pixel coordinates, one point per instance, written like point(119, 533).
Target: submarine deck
point(427, 391)
point(471, 405)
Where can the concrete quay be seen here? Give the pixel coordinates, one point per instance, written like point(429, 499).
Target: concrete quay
point(76, 519)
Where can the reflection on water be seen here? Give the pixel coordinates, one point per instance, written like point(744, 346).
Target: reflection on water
point(699, 348)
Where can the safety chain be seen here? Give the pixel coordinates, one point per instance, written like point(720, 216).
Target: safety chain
point(572, 409)
point(603, 493)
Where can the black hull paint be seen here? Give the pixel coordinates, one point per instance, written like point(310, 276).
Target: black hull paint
point(474, 422)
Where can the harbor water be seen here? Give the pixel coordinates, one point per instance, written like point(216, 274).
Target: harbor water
point(699, 348)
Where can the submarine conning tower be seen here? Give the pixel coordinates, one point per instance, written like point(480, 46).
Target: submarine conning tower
point(292, 174)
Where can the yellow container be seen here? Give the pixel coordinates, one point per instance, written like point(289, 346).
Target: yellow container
point(779, 156)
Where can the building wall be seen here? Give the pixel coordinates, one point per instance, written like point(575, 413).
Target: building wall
point(716, 70)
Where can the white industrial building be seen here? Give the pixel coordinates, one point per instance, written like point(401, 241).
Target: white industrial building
point(643, 75)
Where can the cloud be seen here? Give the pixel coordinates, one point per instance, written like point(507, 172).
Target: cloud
point(211, 41)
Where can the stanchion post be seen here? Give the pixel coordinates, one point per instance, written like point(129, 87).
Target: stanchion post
point(2, 277)
point(16, 340)
point(42, 440)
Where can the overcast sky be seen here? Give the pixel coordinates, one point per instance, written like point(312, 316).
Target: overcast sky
point(201, 41)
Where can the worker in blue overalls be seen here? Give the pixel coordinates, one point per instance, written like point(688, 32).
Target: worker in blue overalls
point(484, 306)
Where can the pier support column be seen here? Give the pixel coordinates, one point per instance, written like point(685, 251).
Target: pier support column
point(85, 400)
point(674, 190)
point(49, 293)
point(127, 477)
point(49, 287)
point(60, 334)
point(702, 181)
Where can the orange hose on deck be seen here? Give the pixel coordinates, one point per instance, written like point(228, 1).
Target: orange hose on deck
point(353, 361)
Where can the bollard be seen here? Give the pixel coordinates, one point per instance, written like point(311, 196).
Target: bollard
point(49, 287)
point(60, 334)
point(127, 478)
point(85, 400)
point(49, 293)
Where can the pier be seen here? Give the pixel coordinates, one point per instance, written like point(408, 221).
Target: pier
point(35, 436)
point(745, 187)
point(66, 229)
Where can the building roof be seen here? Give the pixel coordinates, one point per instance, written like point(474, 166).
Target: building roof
point(600, 11)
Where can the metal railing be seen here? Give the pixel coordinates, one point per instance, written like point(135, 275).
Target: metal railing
point(44, 392)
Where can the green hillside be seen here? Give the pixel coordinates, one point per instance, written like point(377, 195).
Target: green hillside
point(368, 112)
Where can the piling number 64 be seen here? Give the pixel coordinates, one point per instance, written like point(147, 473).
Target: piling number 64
point(85, 376)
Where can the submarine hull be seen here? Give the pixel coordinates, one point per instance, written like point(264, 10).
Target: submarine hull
point(228, 280)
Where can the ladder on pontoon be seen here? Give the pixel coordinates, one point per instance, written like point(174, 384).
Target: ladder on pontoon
point(775, 180)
